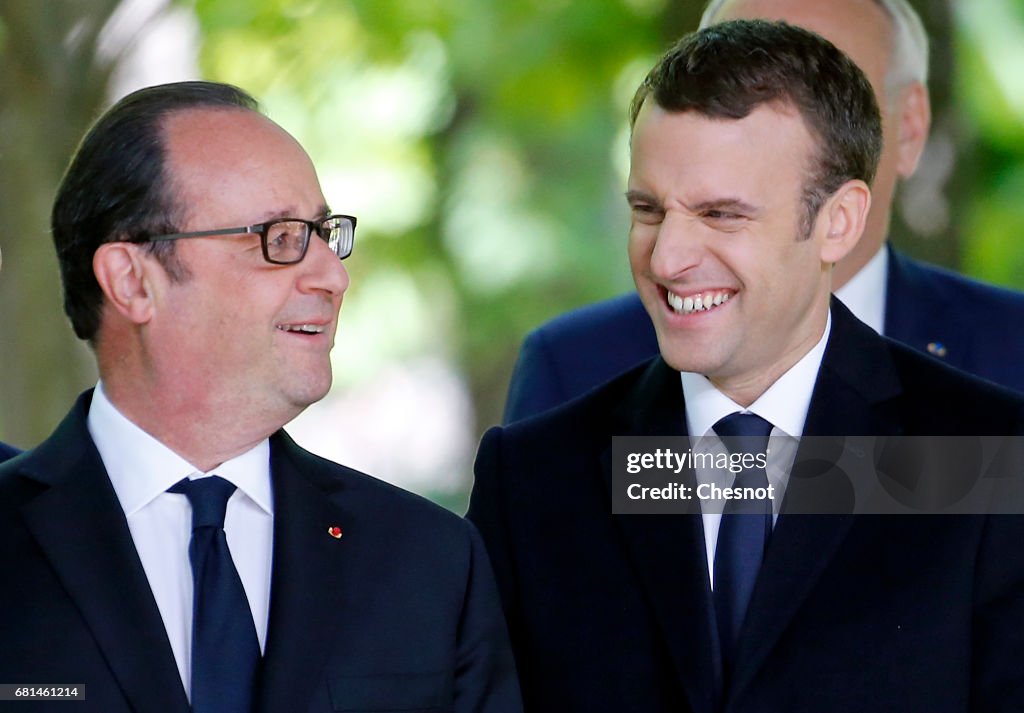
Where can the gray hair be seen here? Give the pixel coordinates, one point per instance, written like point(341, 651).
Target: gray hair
point(909, 61)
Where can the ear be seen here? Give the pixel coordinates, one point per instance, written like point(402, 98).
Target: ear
point(915, 120)
point(842, 220)
point(122, 272)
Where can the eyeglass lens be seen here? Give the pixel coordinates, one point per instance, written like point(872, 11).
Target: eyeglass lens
point(338, 232)
point(287, 239)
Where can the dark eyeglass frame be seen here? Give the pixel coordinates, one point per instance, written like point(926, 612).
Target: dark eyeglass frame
point(263, 230)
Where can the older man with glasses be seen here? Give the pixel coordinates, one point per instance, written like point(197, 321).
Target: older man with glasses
point(169, 547)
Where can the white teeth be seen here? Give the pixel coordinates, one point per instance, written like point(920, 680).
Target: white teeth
point(696, 303)
point(302, 328)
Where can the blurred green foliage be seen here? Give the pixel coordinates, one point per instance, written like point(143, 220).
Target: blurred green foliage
point(990, 82)
point(490, 141)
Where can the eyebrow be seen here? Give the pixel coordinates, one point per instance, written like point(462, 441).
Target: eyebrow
point(725, 204)
point(634, 196)
point(290, 212)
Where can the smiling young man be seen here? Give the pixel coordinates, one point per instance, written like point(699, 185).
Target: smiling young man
point(954, 318)
point(171, 549)
point(731, 262)
point(753, 148)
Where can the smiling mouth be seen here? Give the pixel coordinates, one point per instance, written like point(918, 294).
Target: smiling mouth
point(302, 328)
point(699, 302)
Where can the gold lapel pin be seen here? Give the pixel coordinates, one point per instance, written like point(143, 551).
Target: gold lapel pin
point(334, 531)
point(937, 349)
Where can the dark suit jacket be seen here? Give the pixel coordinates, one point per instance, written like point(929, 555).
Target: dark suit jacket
point(972, 325)
point(849, 613)
point(7, 451)
point(400, 613)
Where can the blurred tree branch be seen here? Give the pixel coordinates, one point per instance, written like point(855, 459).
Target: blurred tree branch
point(55, 66)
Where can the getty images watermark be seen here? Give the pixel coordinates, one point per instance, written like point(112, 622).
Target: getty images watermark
point(713, 490)
point(822, 475)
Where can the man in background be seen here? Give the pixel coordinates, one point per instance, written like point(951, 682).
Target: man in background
point(752, 149)
point(170, 547)
point(961, 321)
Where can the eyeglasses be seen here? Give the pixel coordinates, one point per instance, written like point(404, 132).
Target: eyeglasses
point(285, 241)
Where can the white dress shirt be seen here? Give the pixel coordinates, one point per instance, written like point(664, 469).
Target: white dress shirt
point(141, 469)
point(866, 292)
point(784, 405)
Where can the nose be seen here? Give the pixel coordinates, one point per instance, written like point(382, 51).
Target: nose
point(678, 248)
point(321, 270)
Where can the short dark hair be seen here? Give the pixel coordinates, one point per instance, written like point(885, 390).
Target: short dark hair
point(727, 70)
point(117, 188)
point(909, 59)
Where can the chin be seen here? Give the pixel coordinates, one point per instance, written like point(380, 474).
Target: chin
point(312, 390)
point(680, 364)
point(685, 360)
point(682, 355)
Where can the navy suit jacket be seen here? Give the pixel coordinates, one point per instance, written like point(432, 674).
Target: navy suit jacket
point(849, 613)
point(400, 613)
point(974, 326)
point(7, 451)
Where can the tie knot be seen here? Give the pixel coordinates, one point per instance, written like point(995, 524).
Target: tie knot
point(208, 497)
point(744, 432)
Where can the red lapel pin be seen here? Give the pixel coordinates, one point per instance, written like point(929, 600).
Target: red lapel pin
point(334, 531)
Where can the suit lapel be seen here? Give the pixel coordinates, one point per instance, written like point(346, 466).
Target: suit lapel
point(82, 531)
point(855, 385)
point(668, 550)
point(311, 579)
point(935, 330)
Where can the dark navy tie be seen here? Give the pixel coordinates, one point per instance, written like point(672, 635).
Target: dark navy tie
point(744, 531)
point(225, 650)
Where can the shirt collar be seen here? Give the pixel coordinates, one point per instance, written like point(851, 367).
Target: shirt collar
point(865, 293)
point(784, 404)
point(141, 468)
